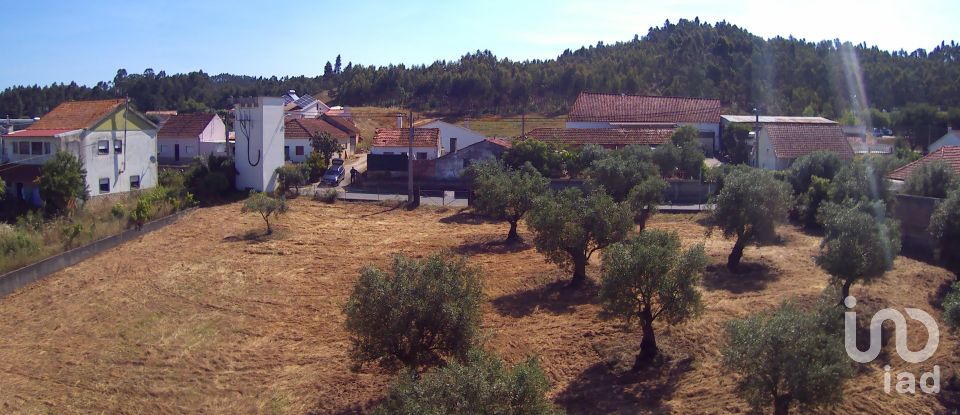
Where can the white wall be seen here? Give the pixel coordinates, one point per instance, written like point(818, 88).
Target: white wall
point(464, 136)
point(259, 154)
point(139, 148)
point(767, 157)
point(431, 151)
point(709, 146)
point(293, 143)
point(166, 149)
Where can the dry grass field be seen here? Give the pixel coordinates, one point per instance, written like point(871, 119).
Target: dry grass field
point(194, 318)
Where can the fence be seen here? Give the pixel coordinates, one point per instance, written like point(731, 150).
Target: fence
point(19, 278)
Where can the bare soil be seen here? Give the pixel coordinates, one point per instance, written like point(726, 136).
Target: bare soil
point(196, 317)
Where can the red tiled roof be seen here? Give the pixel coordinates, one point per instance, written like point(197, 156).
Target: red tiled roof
point(596, 107)
point(400, 137)
point(37, 133)
point(949, 154)
point(605, 137)
point(308, 127)
point(186, 125)
point(75, 115)
point(342, 122)
point(502, 142)
point(791, 140)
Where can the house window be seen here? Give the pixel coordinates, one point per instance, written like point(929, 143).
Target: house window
point(421, 155)
point(221, 148)
point(299, 150)
point(36, 147)
point(286, 152)
point(24, 147)
point(105, 185)
point(453, 144)
point(135, 182)
point(103, 147)
point(188, 150)
point(46, 148)
point(14, 148)
point(164, 149)
point(118, 146)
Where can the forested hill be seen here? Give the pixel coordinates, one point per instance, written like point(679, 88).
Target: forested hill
point(689, 58)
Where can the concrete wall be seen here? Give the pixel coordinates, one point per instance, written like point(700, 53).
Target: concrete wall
point(292, 144)
point(259, 145)
point(19, 278)
point(914, 213)
point(135, 160)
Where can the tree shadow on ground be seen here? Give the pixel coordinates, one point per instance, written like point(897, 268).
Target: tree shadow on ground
point(603, 389)
point(556, 298)
point(489, 244)
point(935, 298)
point(463, 217)
point(388, 209)
point(750, 277)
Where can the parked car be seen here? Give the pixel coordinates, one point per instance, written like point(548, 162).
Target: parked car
point(334, 174)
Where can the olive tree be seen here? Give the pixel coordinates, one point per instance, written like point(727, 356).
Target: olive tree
point(934, 179)
point(945, 229)
point(790, 357)
point(325, 144)
point(644, 199)
point(480, 385)
point(650, 277)
point(822, 164)
point(749, 206)
point(505, 193)
point(545, 157)
point(419, 313)
point(859, 244)
point(621, 170)
point(266, 206)
point(569, 226)
point(62, 181)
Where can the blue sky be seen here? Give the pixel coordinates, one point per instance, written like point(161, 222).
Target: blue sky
point(87, 41)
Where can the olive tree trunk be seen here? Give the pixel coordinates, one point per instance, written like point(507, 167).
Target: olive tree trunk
point(648, 344)
point(733, 261)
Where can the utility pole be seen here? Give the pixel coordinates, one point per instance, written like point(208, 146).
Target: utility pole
point(410, 164)
point(523, 122)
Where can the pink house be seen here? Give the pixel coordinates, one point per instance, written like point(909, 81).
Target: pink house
point(186, 136)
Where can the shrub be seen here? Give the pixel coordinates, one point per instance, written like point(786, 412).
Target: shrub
point(264, 205)
point(583, 158)
point(316, 165)
point(325, 144)
point(214, 184)
point(289, 176)
point(621, 170)
point(650, 277)
point(808, 203)
point(822, 164)
point(140, 214)
point(326, 196)
point(546, 158)
point(171, 178)
point(789, 356)
point(569, 226)
point(749, 206)
point(62, 182)
point(117, 211)
point(734, 139)
point(419, 313)
point(17, 242)
point(951, 306)
point(862, 181)
point(934, 179)
point(70, 233)
point(481, 385)
point(505, 193)
point(945, 229)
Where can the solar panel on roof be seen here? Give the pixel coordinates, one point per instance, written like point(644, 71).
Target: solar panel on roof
point(305, 101)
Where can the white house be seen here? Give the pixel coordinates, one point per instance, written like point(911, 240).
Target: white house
point(186, 136)
point(780, 143)
point(951, 138)
point(297, 133)
point(597, 110)
point(116, 144)
point(454, 137)
point(426, 142)
point(304, 106)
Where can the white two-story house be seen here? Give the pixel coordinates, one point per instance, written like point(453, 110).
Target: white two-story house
point(116, 144)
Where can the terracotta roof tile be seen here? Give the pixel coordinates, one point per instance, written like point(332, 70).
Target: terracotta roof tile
point(502, 142)
point(186, 125)
point(307, 127)
point(605, 137)
point(75, 115)
point(949, 154)
point(37, 133)
point(596, 107)
point(792, 140)
point(400, 137)
point(342, 122)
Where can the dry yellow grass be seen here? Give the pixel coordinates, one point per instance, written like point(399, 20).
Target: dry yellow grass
point(192, 318)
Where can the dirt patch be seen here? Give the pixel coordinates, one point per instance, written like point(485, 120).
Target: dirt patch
point(194, 318)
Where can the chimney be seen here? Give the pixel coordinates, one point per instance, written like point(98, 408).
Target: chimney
point(399, 120)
